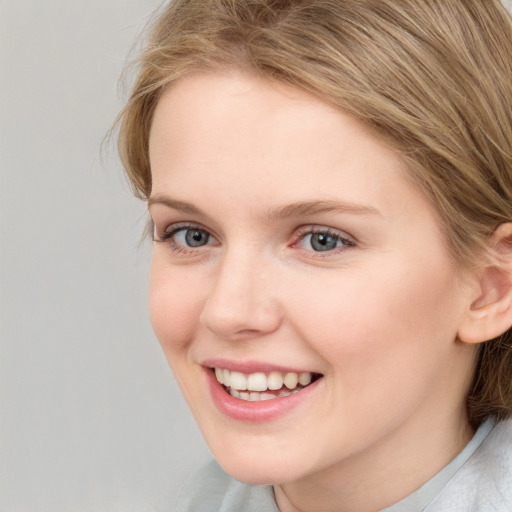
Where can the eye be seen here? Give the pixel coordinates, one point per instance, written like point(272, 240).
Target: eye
point(184, 238)
point(191, 237)
point(323, 241)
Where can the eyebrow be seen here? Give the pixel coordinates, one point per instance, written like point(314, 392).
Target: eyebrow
point(303, 208)
point(298, 209)
point(181, 206)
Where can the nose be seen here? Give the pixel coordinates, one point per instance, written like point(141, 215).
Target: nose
point(241, 303)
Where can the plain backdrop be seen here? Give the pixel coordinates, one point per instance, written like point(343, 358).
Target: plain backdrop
point(90, 416)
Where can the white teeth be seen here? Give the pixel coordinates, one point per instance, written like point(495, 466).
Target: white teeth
point(291, 380)
point(275, 380)
point(255, 396)
point(256, 383)
point(287, 392)
point(238, 381)
point(305, 378)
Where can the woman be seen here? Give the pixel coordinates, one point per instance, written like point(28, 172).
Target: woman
point(330, 190)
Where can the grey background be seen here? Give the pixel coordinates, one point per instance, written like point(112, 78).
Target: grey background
point(90, 416)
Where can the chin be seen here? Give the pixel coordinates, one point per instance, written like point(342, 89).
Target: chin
point(255, 474)
point(257, 469)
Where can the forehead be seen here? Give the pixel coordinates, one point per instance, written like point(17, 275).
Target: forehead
point(216, 107)
point(233, 135)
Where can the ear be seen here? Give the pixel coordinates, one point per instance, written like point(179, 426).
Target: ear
point(490, 312)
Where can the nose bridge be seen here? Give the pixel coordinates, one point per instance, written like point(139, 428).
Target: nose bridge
point(241, 302)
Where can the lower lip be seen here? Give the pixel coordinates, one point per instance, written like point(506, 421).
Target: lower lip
point(261, 411)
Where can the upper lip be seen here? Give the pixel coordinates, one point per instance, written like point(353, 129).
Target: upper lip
point(249, 366)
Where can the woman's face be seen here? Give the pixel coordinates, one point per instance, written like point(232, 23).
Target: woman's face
point(292, 247)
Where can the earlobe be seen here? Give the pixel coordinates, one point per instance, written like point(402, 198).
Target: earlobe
point(490, 313)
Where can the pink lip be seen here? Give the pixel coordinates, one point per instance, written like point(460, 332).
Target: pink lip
point(256, 412)
point(249, 366)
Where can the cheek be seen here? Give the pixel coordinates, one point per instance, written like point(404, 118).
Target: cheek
point(174, 307)
point(362, 319)
point(175, 303)
point(384, 337)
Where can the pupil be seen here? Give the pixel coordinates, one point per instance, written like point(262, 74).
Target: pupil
point(196, 238)
point(323, 242)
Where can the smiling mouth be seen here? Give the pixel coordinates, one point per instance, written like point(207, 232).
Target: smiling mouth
point(255, 387)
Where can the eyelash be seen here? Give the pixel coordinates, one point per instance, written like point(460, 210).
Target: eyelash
point(345, 241)
point(168, 237)
point(171, 231)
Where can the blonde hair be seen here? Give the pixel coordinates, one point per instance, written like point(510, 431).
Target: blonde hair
point(431, 78)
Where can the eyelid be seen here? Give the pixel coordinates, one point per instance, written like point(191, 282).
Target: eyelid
point(303, 231)
point(181, 250)
point(174, 227)
point(319, 228)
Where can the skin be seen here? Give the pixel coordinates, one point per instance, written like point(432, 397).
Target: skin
point(378, 316)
